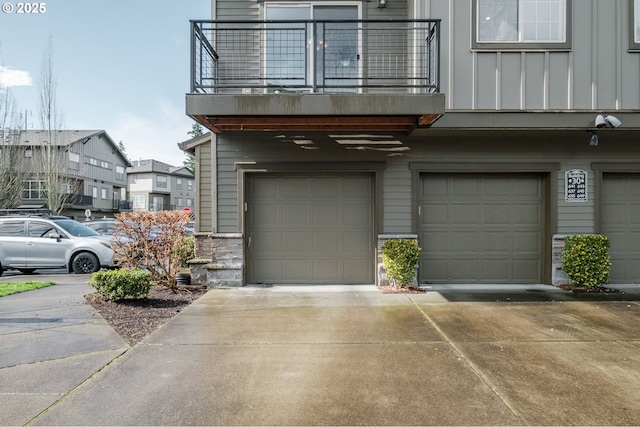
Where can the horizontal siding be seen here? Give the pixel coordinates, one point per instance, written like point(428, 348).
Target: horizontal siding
point(235, 9)
point(205, 204)
point(251, 9)
point(397, 194)
point(397, 180)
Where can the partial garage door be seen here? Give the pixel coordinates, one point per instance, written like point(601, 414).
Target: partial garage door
point(481, 228)
point(620, 220)
point(315, 229)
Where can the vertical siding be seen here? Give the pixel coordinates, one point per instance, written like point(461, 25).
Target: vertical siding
point(596, 73)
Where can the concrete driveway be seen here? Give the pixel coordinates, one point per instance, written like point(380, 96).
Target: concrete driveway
point(338, 355)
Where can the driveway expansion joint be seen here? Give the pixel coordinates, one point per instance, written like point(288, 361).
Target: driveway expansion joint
point(474, 368)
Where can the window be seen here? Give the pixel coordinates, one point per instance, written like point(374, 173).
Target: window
point(34, 189)
point(179, 183)
point(634, 25)
point(522, 24)
point(190, 203)
point(161, 181)
point(189, 185)
point(66, 188)
point(12, 228)
point(40, 229)
point(139, 202)
point(74, 160)
point(289, 62)
point(179, 202)
point(104, 194)
point(94, 192)
point(119, 172)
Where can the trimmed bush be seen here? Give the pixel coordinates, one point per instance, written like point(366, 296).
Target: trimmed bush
point(113, 285)
point(586, 259)
point(400, 257)
point(184, 251)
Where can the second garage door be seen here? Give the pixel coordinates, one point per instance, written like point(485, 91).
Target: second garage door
point(315, 229)
point(620, 218)
point(481, 228)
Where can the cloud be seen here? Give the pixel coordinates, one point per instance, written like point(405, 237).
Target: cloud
point(10, 77)
point(154, 135)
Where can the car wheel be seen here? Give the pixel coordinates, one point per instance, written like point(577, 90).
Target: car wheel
point(26, 270)
point(85, 263)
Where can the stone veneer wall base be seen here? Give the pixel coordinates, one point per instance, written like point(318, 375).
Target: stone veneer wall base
point(219, 260)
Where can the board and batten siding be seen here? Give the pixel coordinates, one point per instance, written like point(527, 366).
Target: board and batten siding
point(597, 72)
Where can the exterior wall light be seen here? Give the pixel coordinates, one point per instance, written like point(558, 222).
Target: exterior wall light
point(382, 3)
point(593, 139)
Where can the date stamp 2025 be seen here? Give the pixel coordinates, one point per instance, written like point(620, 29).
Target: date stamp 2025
point(24, 8)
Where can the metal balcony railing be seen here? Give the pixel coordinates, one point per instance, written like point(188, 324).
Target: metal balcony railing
point(78, 200)
point(339, 56)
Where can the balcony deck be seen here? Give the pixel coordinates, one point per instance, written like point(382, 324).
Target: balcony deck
point(315, 75)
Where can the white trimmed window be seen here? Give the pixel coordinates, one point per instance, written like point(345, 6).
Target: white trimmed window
point(634, 25)
point(161, 181)
point(517, 24)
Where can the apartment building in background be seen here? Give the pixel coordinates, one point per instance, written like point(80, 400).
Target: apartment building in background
point(92, 170)
point(157, 186)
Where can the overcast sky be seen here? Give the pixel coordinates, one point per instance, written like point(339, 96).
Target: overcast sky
point(120, 65)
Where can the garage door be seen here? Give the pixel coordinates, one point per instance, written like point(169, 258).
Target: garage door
point(620, 219)
point(481, 228)
point(315, 229)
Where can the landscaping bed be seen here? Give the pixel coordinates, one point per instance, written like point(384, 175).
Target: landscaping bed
point(136, 318)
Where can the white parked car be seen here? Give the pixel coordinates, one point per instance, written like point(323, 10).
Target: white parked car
point(28, 243)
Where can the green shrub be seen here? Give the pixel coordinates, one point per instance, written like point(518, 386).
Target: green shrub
point(586, 259)
point(400, 257)
point(184, 251)
point(113, 285)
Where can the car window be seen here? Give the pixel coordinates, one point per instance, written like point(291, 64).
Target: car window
point(40, 229)
point(12, 228)
point(75, 228)
point(96, 226)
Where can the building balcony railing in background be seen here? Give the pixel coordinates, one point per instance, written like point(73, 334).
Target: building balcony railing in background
point(79, 200)
point(122, 205)
point(337, 56)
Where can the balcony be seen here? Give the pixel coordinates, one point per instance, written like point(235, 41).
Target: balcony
point(78, 201)
point(315, 75)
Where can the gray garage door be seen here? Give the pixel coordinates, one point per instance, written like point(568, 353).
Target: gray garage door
point(315, 229)
point(620, 219)
point(481, 228)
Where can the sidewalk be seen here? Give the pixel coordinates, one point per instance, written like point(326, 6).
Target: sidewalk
point(334, 355)
point(50, 343)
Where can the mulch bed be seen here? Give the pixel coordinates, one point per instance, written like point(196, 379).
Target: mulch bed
point(135, 318)
point(594, 290)
point(398, 290)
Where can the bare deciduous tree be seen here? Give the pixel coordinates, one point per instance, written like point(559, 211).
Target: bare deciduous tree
point(149, 240)
point(53, 161)
point(13, 167)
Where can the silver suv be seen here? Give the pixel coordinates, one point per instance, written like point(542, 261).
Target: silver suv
point(30, 243)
